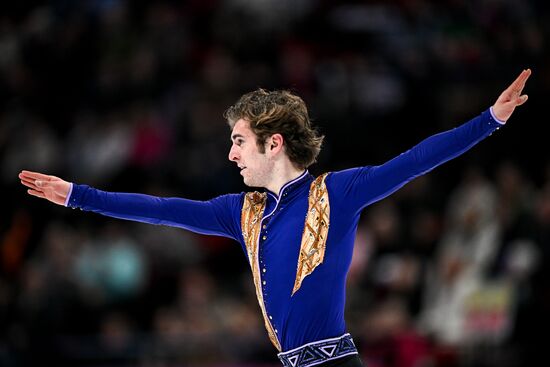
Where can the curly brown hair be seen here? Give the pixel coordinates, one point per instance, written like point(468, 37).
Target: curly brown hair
point(279, 112)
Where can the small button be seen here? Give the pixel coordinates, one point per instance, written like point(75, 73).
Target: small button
point(270, 317)
point(263, 282)
point(264, 270)
point(264, 238)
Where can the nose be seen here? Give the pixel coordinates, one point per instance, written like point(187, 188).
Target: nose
point(233, 156)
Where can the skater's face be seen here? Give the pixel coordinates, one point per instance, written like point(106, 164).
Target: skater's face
point(256, 164)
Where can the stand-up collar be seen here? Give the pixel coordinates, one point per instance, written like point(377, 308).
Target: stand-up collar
point(292, 184)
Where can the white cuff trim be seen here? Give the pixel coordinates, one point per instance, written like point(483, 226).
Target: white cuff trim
point(69, 195)
point(494, 117)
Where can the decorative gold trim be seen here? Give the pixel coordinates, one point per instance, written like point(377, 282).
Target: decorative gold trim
point(251, 220)
point(314, 237)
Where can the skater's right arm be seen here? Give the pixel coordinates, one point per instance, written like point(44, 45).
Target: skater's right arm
point(219, 216)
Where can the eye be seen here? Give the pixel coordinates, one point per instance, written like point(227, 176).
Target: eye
point(239, 142)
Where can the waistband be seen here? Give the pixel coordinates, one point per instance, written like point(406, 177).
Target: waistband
point(318, 352)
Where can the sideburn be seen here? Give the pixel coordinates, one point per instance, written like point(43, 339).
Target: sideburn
point(260, 144)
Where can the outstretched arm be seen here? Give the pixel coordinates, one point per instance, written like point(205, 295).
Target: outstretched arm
point(219, 216)
point(364, 185)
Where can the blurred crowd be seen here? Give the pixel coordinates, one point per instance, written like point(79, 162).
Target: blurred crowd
point(129, 95)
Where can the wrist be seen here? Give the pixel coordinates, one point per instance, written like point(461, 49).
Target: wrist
point(494, 116)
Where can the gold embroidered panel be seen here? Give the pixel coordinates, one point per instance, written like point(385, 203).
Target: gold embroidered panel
point(251, 219)
point(314, 237)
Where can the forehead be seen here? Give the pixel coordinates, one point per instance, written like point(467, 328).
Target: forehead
point(241, 128)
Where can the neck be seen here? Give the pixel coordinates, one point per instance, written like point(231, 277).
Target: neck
point(281, 175)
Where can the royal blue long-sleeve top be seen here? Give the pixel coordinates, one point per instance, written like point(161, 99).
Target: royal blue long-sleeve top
point(316, 311)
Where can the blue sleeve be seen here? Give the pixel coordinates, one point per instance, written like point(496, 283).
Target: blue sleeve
point(362, 186)
point(219, 216)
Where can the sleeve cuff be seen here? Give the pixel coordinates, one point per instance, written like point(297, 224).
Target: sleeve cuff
point(494, 117)
point(69, 195)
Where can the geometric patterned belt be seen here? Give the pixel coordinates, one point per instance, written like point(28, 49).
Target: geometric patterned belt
point(318, 352)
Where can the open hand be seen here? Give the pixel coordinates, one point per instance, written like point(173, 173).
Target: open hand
point(511, 97)
point(46, 187)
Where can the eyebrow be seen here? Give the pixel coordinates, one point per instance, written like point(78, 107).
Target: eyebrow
point(235, 136)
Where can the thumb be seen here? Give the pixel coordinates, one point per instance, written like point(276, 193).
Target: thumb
point(523, 99)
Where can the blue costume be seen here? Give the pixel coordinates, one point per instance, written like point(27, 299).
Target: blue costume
point(299, 241)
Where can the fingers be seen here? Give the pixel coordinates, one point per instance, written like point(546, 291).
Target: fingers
point(517, 85)
point(521, 100)
point(47, 187)
point(511, 97)
point(34, 176)
point(35, 184)
point(38, 184)
point(29, 184)
point(518, 101)
point(34, 180)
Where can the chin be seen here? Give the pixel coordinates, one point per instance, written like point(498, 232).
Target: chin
point(251, 183)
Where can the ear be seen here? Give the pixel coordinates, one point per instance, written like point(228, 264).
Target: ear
point(275, 143)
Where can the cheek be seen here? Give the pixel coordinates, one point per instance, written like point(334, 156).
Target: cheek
point(252, 157)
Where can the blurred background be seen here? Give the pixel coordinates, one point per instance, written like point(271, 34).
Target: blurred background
point(451, 270)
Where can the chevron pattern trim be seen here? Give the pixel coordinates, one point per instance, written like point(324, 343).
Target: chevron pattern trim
point(315, 353)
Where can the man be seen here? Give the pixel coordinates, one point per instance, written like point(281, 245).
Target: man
point(298, 233)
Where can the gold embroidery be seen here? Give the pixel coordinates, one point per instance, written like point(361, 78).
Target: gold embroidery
point(314, 237)
point(251, 219)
